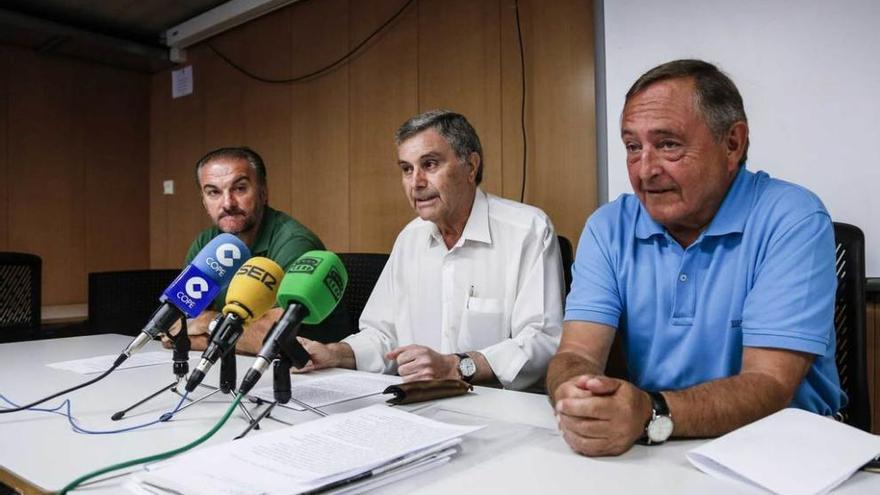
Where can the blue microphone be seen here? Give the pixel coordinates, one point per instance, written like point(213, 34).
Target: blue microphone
point(196, 286)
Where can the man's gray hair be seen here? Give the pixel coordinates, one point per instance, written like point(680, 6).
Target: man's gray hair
point(236, 153)
point(457, 131)
point(716, 96)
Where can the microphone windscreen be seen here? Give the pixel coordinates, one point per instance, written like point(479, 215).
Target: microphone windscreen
point(221, 258)
point(252, 290)
point(210, 270)
point(316, 280)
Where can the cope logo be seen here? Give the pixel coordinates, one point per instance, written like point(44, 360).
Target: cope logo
point(305, 265)
point(226, 255)
point(192, 291)
point(333, 282)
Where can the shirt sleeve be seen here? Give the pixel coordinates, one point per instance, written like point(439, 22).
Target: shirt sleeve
point(536, 318)
point(377, 335)
point(594, 295)
point(791, 302)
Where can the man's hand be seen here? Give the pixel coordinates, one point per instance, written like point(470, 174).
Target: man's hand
point(599, 416)
point(326, 355)
point(196, 328)
point(417, 362)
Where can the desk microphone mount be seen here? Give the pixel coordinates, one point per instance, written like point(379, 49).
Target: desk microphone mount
point(181, 346)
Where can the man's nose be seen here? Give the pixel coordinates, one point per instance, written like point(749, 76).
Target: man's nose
point(649, 165)
point(420, 179)
point(229, 200)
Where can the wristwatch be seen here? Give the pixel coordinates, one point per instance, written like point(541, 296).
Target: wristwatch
point(660, 426)
point(467, 368)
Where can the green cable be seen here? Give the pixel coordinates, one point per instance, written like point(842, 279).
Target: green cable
point(156, 457)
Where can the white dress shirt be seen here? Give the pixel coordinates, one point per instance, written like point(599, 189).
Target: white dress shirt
point(499, 291)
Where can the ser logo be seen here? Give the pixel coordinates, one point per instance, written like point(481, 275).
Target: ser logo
point(259, 274)
point(333, 282)
point(305, 265)
point(226, 255)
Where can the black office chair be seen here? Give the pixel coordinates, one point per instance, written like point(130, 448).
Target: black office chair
point(363, 273)
point(123, 301)
point(20, 295)
point(567, 253)
point(849, 324)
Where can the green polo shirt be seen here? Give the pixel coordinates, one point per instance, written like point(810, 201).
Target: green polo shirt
point(280, 238)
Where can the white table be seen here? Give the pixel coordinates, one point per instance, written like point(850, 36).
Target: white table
point(520, 451)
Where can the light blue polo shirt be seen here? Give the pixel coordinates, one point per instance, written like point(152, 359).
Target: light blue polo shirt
point(762, 274)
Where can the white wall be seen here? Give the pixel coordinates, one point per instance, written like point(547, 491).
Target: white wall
point(808, 71)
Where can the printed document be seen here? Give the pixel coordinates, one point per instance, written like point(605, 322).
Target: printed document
point(325, 389)
point(100, 364)
point(790, 452)
point(322, 453)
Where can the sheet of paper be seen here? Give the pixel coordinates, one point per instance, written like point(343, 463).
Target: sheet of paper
point(305, 456)
point(182, 82)
point(790, 452)
point(100, 364)
point(319, 390)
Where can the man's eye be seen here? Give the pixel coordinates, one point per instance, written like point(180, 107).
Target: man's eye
point(406, 169)
point(668, 145)
point(632, 147)
point(212, 194)
point(429, 164)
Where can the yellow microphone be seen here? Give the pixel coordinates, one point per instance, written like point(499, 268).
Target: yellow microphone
point(251, 293)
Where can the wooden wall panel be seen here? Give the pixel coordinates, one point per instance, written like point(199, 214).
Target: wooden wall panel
point(333, 145)
point(383, 94)
point(160, 93)
point(266, 107)
point(560, 113)
point(320, 126)
point(460, 69)
point(184, 146)
point(78, 134)
point(45, 207)
point(116, 164)
point(4, 181)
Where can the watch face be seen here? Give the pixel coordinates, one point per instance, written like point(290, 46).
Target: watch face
point(467, 367)
point(660, 429)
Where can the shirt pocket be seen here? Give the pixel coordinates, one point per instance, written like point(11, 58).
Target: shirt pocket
point(481, 324)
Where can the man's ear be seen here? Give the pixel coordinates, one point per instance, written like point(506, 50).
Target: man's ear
point(475, 164)
point(736, 140)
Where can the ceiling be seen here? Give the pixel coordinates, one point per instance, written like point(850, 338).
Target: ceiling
point(121, 33)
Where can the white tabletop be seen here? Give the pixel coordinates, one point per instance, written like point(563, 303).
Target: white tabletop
point(520, 451)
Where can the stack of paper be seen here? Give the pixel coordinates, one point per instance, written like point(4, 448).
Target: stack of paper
point(792, 451)
point(342, 453)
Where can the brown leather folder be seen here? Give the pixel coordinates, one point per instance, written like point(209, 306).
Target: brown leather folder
point(407, 393)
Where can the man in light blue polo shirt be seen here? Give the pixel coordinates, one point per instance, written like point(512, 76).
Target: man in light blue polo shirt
point(720, 281)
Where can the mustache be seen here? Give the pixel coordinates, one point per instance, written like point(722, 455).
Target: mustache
point(232, 212)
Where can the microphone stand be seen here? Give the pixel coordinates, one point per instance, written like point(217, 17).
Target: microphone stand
point(180, 345)
point(228, 379)
point(290, 353)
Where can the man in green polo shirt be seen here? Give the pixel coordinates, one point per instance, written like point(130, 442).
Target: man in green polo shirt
point(232, 182)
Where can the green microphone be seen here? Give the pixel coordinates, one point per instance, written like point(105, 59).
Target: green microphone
point(309, 292)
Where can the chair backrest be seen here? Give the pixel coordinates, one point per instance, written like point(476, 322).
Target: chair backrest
point(567, 253)
point(20, 290)
point(123, 301)
point(849, 324)
point(363, 273)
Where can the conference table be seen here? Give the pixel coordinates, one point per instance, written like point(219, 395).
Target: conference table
point(520, 451)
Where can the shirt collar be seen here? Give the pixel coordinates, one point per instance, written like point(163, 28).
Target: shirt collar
point(261, 244)
point(730, 217)
point(477, 227)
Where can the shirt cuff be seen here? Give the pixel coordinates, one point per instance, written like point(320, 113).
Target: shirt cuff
point(799, 343)
point(367, 355)
point(506, 359)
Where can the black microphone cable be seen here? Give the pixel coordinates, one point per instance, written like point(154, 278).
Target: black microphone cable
point(119, 360)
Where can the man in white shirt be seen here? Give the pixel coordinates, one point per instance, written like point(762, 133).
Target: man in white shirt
point(473, 288)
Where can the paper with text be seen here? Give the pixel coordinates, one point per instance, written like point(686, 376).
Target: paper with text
point(100, 364)
point(320, 390)
point(305, 456)
point(789, 452)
